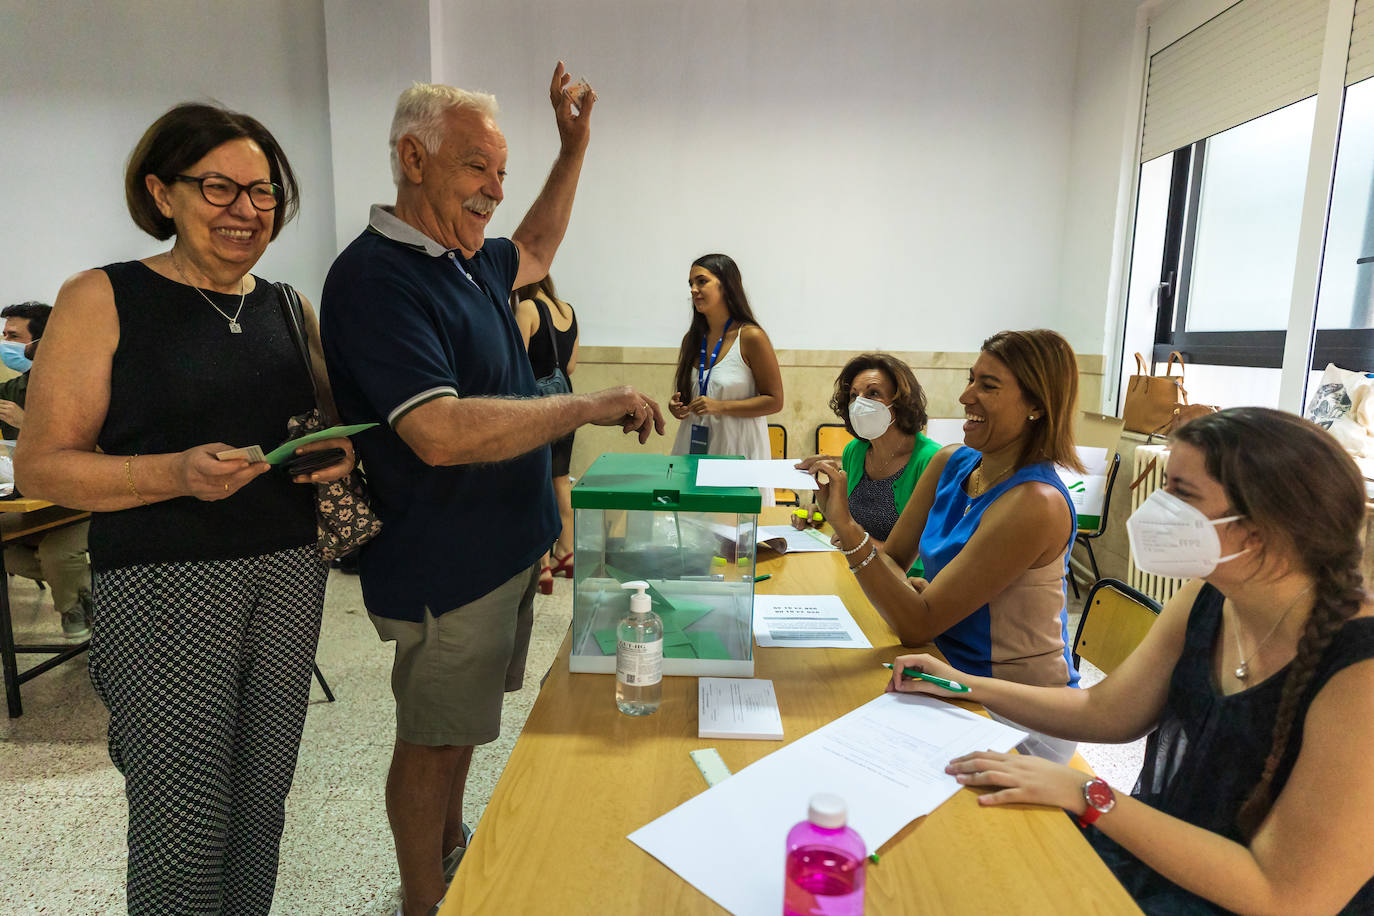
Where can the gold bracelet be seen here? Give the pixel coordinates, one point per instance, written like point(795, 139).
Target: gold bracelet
point(129, 479)
point(872, 555)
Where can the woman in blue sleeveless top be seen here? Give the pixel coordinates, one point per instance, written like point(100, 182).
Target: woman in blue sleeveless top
point(1257, 795)
point(993, 524)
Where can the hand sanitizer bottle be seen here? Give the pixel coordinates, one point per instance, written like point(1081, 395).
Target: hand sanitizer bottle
point(825, 863)
point(639, 656)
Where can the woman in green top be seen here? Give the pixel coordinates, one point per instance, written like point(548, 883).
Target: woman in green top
point(882, 405)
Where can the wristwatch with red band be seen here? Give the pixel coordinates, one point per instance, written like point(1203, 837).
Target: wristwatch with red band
point(1100, 799)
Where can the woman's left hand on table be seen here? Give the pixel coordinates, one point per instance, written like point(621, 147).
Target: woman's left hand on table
point(1020, 779)
point(332, 472)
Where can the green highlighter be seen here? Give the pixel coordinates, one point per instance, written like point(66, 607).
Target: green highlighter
point(937, 681)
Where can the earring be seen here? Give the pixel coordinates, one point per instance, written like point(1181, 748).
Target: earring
point(1031, 417)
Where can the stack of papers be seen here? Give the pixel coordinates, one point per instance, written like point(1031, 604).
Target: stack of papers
point(737, 707)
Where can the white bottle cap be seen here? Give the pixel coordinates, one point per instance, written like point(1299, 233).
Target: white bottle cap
point(827, 810)
point(640, 602)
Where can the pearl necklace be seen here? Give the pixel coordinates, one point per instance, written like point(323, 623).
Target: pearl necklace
point(234, 326)
point(1243, 669)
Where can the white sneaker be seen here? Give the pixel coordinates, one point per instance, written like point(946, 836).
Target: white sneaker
point(452, 860)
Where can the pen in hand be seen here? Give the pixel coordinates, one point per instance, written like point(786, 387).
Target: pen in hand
point(937, 681)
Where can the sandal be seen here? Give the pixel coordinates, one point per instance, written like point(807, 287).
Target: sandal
point(545, 580)
point(563, 567)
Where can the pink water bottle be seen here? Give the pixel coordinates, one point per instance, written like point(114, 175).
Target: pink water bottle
point(825, 863)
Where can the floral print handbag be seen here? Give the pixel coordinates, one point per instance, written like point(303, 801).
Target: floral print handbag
point(344, 517)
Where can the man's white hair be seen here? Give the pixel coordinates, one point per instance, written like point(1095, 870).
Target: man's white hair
point(420, 112)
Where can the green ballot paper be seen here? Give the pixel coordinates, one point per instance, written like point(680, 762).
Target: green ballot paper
point(287, 449)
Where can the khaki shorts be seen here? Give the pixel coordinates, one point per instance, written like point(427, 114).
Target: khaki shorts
point(450, 671)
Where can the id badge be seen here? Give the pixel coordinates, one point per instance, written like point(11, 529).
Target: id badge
point(701, 440)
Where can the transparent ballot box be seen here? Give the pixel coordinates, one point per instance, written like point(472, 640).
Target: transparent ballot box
point(639, 516)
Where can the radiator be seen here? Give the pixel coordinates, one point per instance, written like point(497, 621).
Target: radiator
point(1147, 479)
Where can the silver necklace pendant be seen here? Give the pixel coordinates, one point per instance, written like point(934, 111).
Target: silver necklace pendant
point(235, 328)
point(1242, 671)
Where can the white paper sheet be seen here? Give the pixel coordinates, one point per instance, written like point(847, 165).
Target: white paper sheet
point(737, 707)
point(806, 622)
point(1087, 491)
point(729, 472)
point(786, 539)
point(946, 430)
point(886, 759)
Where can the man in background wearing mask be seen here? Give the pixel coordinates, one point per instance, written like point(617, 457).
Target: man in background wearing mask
point(57, 556)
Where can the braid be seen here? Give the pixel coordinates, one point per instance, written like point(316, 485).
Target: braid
point(1339, 595)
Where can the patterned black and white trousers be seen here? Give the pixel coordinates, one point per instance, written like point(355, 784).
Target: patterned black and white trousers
point(205, 668)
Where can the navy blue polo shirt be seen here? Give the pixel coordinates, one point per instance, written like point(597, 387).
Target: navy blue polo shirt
point(403, 321)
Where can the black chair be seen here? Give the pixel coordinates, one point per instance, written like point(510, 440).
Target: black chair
point(324, 685)
point(1087, 536)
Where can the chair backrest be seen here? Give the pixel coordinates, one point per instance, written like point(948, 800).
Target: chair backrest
point(831, 438)
point(1101, 526)
point(777, 440)
point(1115, 619)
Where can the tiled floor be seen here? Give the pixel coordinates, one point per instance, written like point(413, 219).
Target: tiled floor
point(62, 811)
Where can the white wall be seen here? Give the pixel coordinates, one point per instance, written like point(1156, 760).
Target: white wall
point(1091, 265)
point(82, 81)
point(374, 51)
point(911, 174)
point(887, 174)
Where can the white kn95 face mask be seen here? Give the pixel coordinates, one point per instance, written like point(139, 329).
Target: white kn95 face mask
point(869, 418)
point(1171, 538)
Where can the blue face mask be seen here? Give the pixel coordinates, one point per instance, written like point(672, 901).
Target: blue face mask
point(12, 355)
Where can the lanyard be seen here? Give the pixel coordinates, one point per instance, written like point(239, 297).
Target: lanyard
point(704, 371)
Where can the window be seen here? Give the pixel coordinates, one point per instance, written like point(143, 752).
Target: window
point(1346, 297)
point(1230, 245)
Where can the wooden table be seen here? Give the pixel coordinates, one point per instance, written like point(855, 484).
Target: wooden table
point(582, 776)
point(36, 516)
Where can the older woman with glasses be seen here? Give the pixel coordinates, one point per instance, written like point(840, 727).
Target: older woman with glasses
point(208, 585)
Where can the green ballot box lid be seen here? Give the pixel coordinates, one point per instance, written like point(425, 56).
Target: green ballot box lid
point(657, 483)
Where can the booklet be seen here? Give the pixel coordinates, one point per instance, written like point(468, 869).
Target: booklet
point(281, 453)
point(783, 539)
point(737, 707)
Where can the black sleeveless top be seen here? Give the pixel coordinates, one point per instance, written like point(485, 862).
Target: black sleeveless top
point(545, 354)
point(179, 378)
point(1209, 749)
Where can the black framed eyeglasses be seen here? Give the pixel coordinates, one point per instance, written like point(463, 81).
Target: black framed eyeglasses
point(223, 191)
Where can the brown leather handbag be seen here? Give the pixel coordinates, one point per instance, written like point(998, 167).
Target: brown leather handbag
point(1152, 401)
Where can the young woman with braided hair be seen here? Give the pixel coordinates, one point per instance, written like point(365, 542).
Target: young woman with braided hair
point(1256, 795)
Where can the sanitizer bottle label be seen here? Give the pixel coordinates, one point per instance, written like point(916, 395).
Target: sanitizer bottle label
point(639, 664)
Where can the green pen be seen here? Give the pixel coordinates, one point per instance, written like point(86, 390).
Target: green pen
point(762, 577)
point(937, 681)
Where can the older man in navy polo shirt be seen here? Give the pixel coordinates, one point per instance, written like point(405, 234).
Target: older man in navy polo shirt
point(418, 332)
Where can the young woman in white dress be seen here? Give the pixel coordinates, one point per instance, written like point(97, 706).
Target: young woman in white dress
point(742, 382)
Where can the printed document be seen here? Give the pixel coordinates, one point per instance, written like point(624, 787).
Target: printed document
point(886, 759)
point(807, 622)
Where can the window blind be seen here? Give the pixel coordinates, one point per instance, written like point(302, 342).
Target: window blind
point(1361, 62)
point(1252, 58)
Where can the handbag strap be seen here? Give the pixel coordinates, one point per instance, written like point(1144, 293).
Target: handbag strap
point(294, 316)
point(1169, 369)
point(1140, 368)
point(546, 319)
